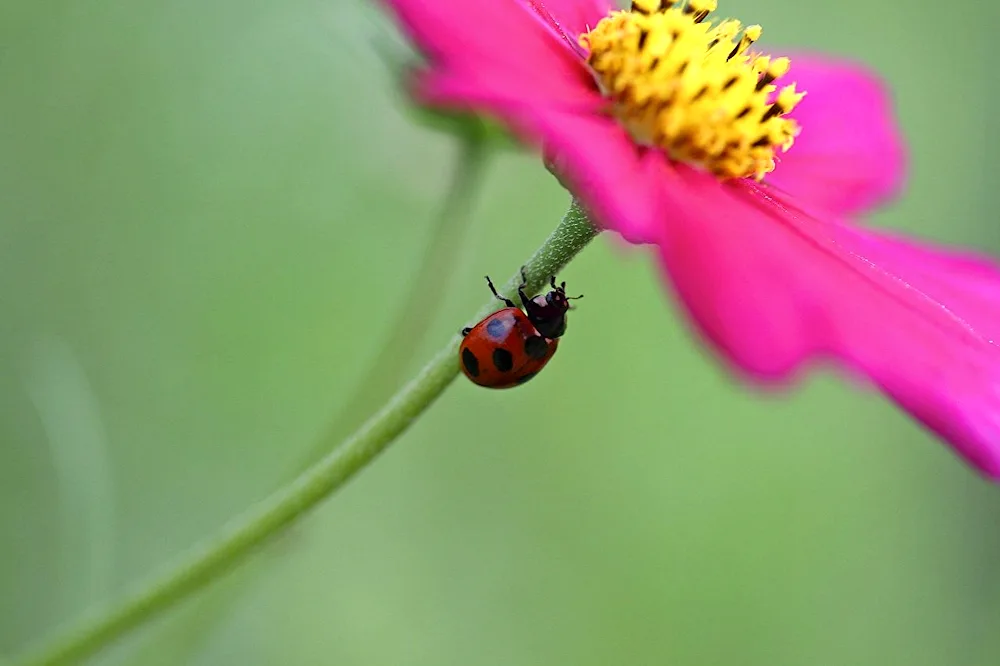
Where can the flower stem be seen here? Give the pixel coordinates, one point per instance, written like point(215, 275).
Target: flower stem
point(410, 326)
point(187, 632)
point(205, 562)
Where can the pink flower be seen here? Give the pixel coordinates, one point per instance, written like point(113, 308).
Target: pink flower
point(672, 133)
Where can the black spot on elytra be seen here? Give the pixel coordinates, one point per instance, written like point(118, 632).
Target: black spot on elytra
point(496, 329)
point(470, 362)
point(525, 377)
point(502, 359)
point(536, 346)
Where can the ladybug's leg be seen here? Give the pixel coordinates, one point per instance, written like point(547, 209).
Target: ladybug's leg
point(465, 331)
point(520, 289)
point(509, 302)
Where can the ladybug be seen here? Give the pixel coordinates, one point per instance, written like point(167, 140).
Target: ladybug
point(511, 346)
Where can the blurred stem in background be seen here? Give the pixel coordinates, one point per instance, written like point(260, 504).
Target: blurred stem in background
point(179, 641)
point(422, 299)
point(206, 562)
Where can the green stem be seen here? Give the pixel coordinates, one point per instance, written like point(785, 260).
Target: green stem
point(178, 642)
point(410, 326)
point(205, 562)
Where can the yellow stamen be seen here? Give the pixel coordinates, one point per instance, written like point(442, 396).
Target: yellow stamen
point(692, 89)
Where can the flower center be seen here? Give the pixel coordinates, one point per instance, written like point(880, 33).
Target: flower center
point(691, 89)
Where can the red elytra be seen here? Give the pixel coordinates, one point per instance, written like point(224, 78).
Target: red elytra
point(511, 346)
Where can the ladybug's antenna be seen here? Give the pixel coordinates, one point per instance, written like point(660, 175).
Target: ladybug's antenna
point(561, 287)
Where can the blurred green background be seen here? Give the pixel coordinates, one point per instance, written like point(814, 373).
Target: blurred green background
point(210, 211)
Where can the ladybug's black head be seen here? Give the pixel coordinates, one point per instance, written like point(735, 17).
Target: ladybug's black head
point(548, 312)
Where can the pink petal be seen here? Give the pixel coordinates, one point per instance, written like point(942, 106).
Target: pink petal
point(774, 288)
point(968, 283)
point(500, 44)
point(616, 180)
point(497, 92)
point(571, 18)
point(849, 156)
